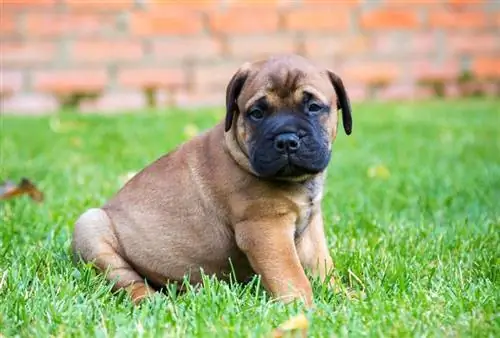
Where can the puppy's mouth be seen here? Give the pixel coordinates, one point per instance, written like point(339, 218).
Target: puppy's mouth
point(292, 169)
point(287, 167)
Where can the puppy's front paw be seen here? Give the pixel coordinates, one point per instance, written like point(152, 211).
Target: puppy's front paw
point(296, 294)
point(138, 292)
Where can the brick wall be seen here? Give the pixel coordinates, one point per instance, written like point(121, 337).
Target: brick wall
point(126, 54)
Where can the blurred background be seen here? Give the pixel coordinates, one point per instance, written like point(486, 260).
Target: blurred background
point(116, 55)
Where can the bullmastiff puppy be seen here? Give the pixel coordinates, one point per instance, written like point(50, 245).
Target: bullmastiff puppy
point(242, 198)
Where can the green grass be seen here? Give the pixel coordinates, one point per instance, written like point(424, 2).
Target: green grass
point(420, 234)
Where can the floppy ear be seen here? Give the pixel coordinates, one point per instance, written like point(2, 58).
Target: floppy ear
point(233, 90)
point(343, 102)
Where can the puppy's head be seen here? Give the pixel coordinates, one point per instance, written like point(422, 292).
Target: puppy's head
point(281, 117)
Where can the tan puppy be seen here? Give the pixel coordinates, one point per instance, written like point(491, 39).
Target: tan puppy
point(244, 195)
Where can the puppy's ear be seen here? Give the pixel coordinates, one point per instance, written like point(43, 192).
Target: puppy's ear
point(233, 90)
point(343, 102)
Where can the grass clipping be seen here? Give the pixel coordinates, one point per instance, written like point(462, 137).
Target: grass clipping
point(294, 327)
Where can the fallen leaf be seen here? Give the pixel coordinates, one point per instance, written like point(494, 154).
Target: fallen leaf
point(58, 126)
point(9, 189)
point(127, 176)
point(139, 328)
point(379, 171)
point(294, 327)
point(191, 131)
point(349, 293)
point(76, 142)
point(446, 136)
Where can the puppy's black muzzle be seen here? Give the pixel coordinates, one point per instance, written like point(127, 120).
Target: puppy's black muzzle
point(287, 143)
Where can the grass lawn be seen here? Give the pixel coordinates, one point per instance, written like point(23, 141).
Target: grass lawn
point(412, 208)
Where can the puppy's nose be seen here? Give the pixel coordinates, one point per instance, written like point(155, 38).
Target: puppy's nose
point(287, 142)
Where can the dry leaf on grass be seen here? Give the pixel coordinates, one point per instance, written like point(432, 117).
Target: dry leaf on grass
point(294, 327)
point(9, 189)
point(379, 171)
point(127, 176)
point(61, 127)
point(191, 131)
point(76, 142)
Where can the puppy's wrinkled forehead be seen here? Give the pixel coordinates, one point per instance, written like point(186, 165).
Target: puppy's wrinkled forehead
point(283, 81)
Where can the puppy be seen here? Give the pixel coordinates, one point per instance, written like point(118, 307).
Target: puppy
point(244, 197)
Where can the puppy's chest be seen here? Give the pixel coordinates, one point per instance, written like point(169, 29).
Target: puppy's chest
point(303, 221)
point(308, 205)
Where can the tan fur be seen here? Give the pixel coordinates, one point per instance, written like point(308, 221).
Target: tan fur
point(200, 207)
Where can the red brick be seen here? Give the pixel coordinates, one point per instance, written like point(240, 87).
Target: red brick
point(343, 3)
point(372, 72)
point(397, 92)
point(250, 3)
point(27, 53)
point(422, 43)
point(186, 5)
point(384, 44)
point(166, 23)
point(270, 5)
point(8, 24)
point(458, 19)
point(69, 81)
point(357, 92)
point(29, 104)
point(426, 70)
point(260, 47)
point(392, 43)
point(195, 48)
point(474, 43)
point(247, 21)
point(423, 92)
point(389, 19)
point(491, 88)
point(10, 81)
point(451, 90)
point(64, 24)
point(28, 3)
point(151, 77)
point(106, 50)
point(412, 3)
point(194, 99)
point(114, 102)
point(214, 77)
point(318, 19)
point(488, 68)
point(460, 4)
point(98, 5)
point(345, 45)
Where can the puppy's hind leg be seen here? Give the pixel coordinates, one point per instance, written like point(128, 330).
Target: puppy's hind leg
point(95, 242)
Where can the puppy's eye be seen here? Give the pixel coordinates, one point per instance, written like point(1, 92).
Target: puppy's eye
point(256, 114)
point(314, 107)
